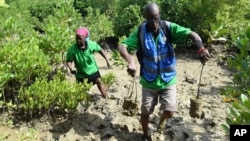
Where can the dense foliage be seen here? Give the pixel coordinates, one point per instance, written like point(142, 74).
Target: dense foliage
point(239, 112)
point(43, 96)
point(32, 49)
point(126, 15)
point(241, 65)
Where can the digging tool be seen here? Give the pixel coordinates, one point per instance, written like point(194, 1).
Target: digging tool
point(196, 104)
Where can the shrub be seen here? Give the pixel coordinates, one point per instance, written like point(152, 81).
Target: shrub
point(108, 79)
point(241, 64)
point(99, 24)
point(21, 62)
point(44, 96)
point(58, 30)
point(238, 113)
point(117, 59)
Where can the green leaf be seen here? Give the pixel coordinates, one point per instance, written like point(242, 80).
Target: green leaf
point(229, 121)
point(219, 25)
point(237, 106)
point(248, 33)
point(243, 98)
point(233, 112)
point(222, 32)
point(244, 41)
point(225, 127)
point(247, 104)
point(246, 116)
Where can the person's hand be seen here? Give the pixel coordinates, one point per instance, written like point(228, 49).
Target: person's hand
point(131, 69)
point(203, 55)
point(72, 71)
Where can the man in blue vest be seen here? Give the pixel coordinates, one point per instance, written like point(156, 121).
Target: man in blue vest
point(158, 72)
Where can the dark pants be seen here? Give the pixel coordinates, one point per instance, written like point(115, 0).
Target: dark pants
point(91, 79)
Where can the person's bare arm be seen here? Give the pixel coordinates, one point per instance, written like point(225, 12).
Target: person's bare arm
point(202, 51)
point(131, 64)
point(105, 57)
point(196, 39)
point(69, 65)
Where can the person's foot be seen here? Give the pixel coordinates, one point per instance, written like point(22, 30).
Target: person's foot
point(105, 96)
point(161, 127)
point(146, 138)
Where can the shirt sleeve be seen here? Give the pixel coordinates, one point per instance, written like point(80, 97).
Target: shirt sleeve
point(179, 33)
point(97, 47)
point(132, 42)
point(70, 54)
point(93, 46)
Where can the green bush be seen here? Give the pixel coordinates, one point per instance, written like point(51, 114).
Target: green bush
point(122, 16)
point(20, 7)
point(241, 64)
point(238, 113)
point(117, 59)
point(128, 19)
point(84, 5)
point(42, 9)
point(21, 62)
point(14, 28)
point(194, 14)
point(100, 25)
point(234, 14)
point(44, 96)
point(108, 79)
point(58, 30)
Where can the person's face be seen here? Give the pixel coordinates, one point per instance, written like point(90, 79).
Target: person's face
point(80, 40)
point(153, 20)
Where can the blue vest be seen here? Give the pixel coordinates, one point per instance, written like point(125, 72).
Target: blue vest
point(157, 60)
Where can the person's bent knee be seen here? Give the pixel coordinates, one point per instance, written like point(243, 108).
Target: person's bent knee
point(98, 81)
point(169, 113)
point(146, 110)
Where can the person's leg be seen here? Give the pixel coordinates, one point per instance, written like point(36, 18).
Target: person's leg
point(149, 100)
point(144, 124)
point(168, 105)
point(101, 87)
point(165, 115)
point(96, 79)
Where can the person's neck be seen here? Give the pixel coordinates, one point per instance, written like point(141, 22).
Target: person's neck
point(155, 32)
point(84, 46)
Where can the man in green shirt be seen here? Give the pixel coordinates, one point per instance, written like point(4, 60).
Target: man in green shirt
point(82, 54)
point(158, 72)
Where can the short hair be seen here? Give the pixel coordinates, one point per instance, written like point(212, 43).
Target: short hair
point(150, 8)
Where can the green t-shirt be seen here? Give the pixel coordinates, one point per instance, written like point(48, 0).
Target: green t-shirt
point(83, 59)
point(178, 34)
